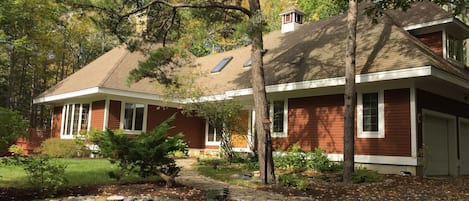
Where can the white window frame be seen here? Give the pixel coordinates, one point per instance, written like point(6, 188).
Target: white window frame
point(285, 119)
point(370, 134)
point(213, 143)
point(122, 118)
point(65, 116)
point(446, 51)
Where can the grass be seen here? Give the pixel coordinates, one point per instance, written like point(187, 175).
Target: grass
point(225, 172)
point(78, 172)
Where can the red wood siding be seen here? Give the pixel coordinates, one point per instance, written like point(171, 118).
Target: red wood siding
point(434, 41)
point(318, 122)
point(114, 114)
point(438, 103)
point(193, 128)
point(56, 121)
point(397, 131)
point(97, 114)
point(314, 121)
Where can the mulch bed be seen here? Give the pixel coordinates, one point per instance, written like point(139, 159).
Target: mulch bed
point(394, 187)
point(155, 190)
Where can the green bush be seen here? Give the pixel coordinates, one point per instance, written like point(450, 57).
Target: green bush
point(148, 153)
point(12, 126)
point(43, 172)
point(293, 159)
point(317, 160)
point(55, 147)
point(366, 176)
point(293, 180)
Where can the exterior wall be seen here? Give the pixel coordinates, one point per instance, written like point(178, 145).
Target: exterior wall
point(97, 114)
point(318, 122)
point(193, 128)
point(397, 131)
point(434, 41)
point(56, 121)
point(438, 103)
point(114, 114)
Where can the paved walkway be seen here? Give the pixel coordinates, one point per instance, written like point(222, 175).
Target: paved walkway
point(190, 177)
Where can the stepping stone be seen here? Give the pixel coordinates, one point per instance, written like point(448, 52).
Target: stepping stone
point(115, 198)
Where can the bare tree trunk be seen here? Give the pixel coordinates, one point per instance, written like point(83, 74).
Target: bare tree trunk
point(259, 95)
point(350, 92)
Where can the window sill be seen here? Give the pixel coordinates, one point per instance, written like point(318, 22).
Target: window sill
point(278, 135)
point(213, 143)
point(129, 132)
point(370, 134)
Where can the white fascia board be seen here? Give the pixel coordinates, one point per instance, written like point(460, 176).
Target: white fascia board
point(450, 78)
point(63, 96)
point(428, 24)
point(100, 90)
point(374, 159)
point(339, 81)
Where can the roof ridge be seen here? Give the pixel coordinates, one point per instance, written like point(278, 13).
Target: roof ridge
point(113, 69)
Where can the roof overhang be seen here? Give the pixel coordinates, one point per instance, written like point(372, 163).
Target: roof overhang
point(95, 91)
point(456, 27)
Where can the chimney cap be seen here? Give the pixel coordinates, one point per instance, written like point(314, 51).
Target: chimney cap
point(292, 9)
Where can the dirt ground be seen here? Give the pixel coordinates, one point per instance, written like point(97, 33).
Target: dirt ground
point(394, 187)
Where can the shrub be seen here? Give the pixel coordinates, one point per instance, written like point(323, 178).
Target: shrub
point(43, 172)
point(366, 176)
point(148, 153)
point(293, 159)
point(15, 150)
point(55, 147)
point(317, 160)
point(12, 126)
point(293, 180)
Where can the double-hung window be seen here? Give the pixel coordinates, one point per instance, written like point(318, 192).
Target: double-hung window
point(75, 119)
point(456, 49)
point(133, 117)
point(212, 137)
point(370, 115)
point(278, 117)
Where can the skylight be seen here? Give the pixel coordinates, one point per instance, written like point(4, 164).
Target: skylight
point(248, 63)
point(221, 65)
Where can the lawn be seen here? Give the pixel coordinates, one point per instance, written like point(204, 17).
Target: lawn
point(78, 172)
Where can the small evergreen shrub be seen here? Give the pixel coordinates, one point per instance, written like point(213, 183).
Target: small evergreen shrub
point(317, 160)
point(293, 159)
point(55, 147)
point(293, 180)
point(363, 175)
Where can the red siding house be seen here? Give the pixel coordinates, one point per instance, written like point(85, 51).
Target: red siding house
point(412, 92)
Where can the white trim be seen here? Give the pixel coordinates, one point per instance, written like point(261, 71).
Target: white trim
point(107, 104)
point(370, 134)
point(413, 121)
point(144, 120)
point(444, 38)
point(211, 143)
point(98, 90)
point(391, 160)
point(283, 134)
point(339, 81)
point(428, 24)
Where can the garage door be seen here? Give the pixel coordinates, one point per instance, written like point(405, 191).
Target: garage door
point(435, 137)
point(464, 146)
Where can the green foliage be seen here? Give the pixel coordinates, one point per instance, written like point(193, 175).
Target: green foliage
point(318, 9)
point(362, 175)
point(317, 160)
point(55, 147)
point(43, 172)
point(294, 180)
point(12, 126)
point(148, 153)
point(15, 150)
point(298, 159)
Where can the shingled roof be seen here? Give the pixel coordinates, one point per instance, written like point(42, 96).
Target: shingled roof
point(315, 51)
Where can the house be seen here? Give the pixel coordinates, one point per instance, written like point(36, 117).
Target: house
point(412, 92)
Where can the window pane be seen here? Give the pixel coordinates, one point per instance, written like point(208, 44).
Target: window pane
point(278, 116)
point(455, 49)
point(84, 116)
point(68, 115)
point(217, 136)
point(76, 118)
point(210, 134)
point(370, 112)
point(139, 109)
point(128, 116)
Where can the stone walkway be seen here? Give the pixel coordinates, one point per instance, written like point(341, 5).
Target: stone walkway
point(190, 177)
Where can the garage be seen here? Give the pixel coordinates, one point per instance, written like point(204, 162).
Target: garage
point(440, 144)
point(464, 146)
